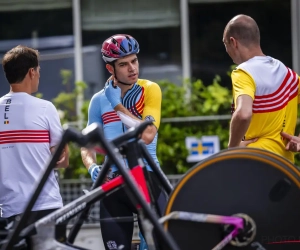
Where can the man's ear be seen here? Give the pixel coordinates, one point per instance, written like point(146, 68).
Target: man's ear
point(233, 41)
point(110, 68)
point(31, 73)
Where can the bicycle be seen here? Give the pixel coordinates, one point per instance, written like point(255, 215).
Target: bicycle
point(243, 226)
point(94, 134)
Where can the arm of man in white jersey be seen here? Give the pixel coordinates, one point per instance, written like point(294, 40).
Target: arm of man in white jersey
point(243, 92)
point(63, 161)
point(55, 133)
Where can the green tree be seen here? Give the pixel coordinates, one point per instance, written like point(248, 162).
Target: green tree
point(65, 103)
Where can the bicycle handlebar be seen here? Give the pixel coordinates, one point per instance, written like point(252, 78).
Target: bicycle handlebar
point(90, 134)
point(132, 133)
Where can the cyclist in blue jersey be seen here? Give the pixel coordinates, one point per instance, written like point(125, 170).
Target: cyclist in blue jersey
point(124, 102)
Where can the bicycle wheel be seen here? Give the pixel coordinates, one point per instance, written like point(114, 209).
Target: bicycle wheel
point(243, 182)
point(248, 150)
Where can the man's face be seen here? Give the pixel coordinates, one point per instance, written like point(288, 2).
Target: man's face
point(127, 69)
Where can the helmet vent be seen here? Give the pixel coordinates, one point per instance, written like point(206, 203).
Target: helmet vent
point(114, 52)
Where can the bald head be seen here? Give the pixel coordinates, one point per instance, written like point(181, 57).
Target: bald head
point(244, 29)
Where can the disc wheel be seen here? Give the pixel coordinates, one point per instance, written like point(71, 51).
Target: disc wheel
point(253, 182)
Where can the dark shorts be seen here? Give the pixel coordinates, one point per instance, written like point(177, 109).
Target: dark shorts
point(116, 233)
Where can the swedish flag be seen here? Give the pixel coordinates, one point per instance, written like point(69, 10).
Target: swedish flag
point(198, 148)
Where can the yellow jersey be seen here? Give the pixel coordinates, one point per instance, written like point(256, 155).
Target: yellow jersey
point(274, 89)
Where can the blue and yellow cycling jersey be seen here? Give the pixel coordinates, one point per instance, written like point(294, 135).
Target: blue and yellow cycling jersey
point(143, 100)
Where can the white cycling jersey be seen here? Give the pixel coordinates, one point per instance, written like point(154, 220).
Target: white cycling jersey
point(29, 126)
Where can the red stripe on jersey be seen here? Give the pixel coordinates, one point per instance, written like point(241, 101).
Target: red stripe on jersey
point(265, 110)
point(140, 102)
point(109, 114)
point(111, 120)
point(110, 117)
point(23, 141)
point(275, 103)
point(290, 75)
point(21, 136)
point(282, 100)
point(25, 131)
point(141, 109)
point(292, 84)
point(15, 137)
point(138, 108)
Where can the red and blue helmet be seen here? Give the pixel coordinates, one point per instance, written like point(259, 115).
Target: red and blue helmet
point(118, 46)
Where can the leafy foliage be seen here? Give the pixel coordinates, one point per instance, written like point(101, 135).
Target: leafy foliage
point(202, 101)
point(65, 103)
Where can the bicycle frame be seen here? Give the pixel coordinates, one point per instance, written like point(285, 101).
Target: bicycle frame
point(47, 224)
point(42, 240)
point(209, 218)
point(93, 135)
point(137, 150)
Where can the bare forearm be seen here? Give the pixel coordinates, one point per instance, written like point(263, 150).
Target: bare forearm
point(88, 157)
point(63, 161)
point(148, 134)
point(238, 128)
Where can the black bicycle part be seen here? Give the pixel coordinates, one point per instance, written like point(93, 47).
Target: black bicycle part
point(128, 138)
point(132, 133)
point(232, 183)
point(135, 149)
point(160, 175)
point(67, 212)
point(85, 213)
point(289, 166)
point(93, 135)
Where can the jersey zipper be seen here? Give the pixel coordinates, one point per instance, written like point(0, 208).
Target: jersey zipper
point(123, 128)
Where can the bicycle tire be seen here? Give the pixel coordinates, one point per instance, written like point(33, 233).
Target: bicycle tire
point(286, 164)
point(236, 182)
point(290, 166)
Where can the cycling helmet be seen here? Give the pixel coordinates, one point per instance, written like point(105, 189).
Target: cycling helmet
point(118, 46)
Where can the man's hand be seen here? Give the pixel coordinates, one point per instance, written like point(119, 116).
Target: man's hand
point(293, 142)
point(94, 170)
point(245, 143)
point(62, 158)
point(112, 93)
